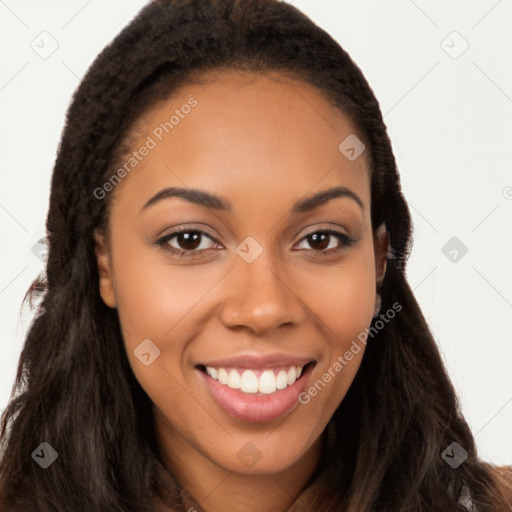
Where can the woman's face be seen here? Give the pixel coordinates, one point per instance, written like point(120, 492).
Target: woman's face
point(266, 276)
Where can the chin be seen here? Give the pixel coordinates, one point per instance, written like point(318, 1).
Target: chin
point(264, 454)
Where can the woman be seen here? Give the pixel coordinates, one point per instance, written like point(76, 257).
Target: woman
point(227, 324)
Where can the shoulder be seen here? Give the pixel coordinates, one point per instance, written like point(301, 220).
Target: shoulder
point(504, 478)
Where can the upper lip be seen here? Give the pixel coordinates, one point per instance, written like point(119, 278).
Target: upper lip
point(256, 362)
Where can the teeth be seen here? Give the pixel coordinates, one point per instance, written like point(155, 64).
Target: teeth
point(268, 382)
point(234, 380)
point(212, 372)
point(281, 380)
point(249, 382)
point(292, 375)
point(223, 376)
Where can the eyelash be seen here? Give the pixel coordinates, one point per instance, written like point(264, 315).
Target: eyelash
point(346, 242)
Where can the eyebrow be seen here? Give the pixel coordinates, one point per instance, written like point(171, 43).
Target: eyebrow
point(192, 195)
point(215, 202)
point(313, 201)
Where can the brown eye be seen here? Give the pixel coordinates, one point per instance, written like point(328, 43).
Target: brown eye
point(326, 242)
point(319, 241)
point(187, 242)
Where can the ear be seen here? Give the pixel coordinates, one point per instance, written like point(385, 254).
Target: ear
point(381, 252)
point(106, 283)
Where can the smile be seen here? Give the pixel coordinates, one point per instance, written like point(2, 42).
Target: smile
point(253, 381)
point(256, 390)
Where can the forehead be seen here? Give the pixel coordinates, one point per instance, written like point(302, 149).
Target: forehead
point(266, 133)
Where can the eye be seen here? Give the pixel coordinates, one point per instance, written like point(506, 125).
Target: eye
point(186, 242)
point(326, 241)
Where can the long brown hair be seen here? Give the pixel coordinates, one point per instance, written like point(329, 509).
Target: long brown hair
point(74, 387)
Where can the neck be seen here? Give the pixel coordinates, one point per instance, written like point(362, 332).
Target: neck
point(216, 489)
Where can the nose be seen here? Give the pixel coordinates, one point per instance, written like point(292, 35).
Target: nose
point(260, 298)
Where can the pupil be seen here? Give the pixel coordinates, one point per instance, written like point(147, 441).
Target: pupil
point(322, 238)
point(189, 240)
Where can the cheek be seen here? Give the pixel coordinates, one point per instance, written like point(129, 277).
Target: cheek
point(156, 299)
point(345, 305)
point(344, 300)
point(349, 303)
point(159, 301)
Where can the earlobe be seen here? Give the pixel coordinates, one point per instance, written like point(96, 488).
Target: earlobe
point(106, 283)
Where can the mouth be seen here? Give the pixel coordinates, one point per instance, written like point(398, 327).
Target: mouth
point(256, 381)
point(257, 392)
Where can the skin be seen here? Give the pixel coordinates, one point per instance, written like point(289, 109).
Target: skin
point(262, 142)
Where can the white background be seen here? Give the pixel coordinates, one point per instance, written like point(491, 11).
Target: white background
point(450, 124)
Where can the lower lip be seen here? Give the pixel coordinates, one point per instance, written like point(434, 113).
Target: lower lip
point(257, 407)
